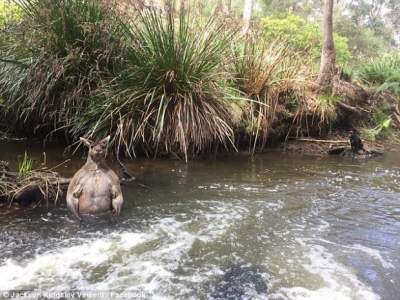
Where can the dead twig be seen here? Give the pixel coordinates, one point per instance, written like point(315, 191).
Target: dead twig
point(320, 141)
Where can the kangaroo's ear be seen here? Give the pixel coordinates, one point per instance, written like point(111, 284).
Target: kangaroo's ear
point(85, 141)
point(105, 140)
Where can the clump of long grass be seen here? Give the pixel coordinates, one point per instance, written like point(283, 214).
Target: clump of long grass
point(171, 95)
point(274, 79)
point(65, 51)
point(324, 109)
point(25, 166)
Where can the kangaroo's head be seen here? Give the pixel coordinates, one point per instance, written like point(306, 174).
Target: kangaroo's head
point(97, 150)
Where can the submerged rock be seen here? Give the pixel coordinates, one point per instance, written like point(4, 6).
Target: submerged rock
point(240, 281)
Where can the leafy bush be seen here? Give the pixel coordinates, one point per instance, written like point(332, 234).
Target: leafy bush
point(303, 35)
point(363, 42)
point(382, 73)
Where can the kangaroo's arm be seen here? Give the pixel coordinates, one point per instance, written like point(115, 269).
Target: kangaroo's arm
point(117, 199)
point(73, 200)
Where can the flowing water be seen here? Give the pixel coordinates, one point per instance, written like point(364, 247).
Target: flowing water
point(308, 228)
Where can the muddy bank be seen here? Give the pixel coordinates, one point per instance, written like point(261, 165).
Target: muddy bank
point(321, 147)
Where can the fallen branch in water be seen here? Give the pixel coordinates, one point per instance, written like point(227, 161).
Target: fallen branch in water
point(321, 141)
point(38, 185)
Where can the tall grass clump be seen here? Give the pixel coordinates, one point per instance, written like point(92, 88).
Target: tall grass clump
point(273, 78)
point(25, 166)
point(171, 96)
point(65, 50)
point(382, 73)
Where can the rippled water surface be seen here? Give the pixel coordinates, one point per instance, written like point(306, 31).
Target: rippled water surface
point(308, 228)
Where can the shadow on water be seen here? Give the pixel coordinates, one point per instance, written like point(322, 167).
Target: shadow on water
point(306, 227)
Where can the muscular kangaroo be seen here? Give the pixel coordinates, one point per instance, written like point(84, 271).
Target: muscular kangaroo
point(95, 188)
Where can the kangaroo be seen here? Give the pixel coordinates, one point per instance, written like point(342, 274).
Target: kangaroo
point(95, 188)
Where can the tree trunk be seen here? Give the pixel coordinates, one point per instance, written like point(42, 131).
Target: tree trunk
point(328, 55)
point(247, 8)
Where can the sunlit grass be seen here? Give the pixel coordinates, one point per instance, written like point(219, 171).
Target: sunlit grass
point(25, 166)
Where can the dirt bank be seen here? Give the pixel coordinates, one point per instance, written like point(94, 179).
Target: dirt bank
point(320, 147)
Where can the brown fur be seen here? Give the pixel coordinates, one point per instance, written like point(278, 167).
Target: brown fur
point(95, 188)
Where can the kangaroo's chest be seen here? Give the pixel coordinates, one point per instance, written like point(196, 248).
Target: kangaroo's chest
point(96, 184)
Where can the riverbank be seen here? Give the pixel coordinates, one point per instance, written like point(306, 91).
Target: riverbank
point(171, 85)
point(321, 147)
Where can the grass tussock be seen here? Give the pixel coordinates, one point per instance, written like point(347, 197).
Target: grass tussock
point(276, 82)
point(171, 96)
point(160, 82)
point(25, 166)
point(66, 50)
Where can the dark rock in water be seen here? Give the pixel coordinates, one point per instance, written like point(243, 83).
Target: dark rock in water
point(28, 195)
point(238, 282)
point(336, 150)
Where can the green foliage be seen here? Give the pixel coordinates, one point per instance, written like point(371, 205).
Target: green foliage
point(380, 123)
point(163, 82)
point(64, 51)
point(10, 16)
point(25, 166)
point(326, 107)
point(170, 95)
point(382, 73)
point(9, 13)
point(383, 129)
point(303, 35)
point(157, 80)
point(282, 7)
point(363, 42)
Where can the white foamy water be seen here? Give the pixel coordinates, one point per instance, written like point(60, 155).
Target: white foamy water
point(374, 254)
point(338, 281)
point(140, 262)
point(146, 263)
